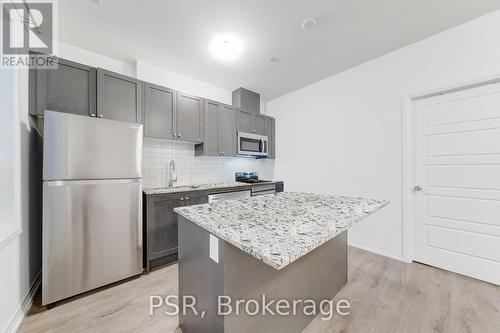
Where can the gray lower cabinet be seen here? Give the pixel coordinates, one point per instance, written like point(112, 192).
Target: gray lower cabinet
point(160, 225)
point(271, 136)
point(119, 97)
point(219, 122)
point(189, 125)
point(159, 109)
point(160, 240)
point(71, 88)
point(251, 123)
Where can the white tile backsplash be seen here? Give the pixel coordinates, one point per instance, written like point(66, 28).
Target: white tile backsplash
point(191, 169)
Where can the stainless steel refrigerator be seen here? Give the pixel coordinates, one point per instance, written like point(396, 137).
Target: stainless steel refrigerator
point(92, 204)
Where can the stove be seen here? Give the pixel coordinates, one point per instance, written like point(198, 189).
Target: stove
point(250, 177)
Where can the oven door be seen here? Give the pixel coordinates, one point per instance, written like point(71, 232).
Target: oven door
point(251, 144)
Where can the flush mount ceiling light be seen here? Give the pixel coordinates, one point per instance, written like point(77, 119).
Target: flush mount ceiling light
point(226, 47)
point(309, 24)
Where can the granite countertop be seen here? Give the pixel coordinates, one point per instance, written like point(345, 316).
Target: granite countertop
point(280, 228)
point(201, 187)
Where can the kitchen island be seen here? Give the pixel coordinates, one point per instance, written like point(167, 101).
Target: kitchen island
point(290, 246)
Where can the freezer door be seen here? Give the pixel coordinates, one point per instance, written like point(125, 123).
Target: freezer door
point(92, 235)
point(79, 147)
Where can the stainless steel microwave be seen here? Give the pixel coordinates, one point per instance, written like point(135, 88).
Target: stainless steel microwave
point(252, 144)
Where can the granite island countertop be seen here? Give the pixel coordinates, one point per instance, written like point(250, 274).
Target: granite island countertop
point(280, 228)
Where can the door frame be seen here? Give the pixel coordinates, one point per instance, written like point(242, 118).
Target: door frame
point(409, 158)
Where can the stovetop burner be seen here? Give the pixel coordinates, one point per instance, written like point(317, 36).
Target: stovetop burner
point(254, 181)
point(250, 177)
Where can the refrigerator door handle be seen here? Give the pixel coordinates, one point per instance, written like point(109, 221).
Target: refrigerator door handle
point(140, 223)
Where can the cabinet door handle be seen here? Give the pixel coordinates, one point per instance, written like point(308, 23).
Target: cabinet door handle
point(182, 199)
point(100, 116)
point(92, 114)
point(187, 198)
point(179, 135)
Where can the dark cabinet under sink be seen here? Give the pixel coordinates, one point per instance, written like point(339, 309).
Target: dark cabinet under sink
point(160, 225)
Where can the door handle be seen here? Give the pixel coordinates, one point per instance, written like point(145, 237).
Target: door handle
point(418, 188)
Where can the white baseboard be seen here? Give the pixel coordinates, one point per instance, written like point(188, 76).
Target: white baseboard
point(15, 322)
point(374, 249)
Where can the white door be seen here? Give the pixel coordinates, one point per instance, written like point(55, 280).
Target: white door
point(458, 168)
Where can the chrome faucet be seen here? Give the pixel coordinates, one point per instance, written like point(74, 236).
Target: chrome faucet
point(171, 174)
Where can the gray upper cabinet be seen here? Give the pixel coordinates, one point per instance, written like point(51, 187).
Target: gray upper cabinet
point(71, 88)
point(159, 109)
point(189, 118)
point(259, 124)
point(227, 130)
point(271, 135)
point(166, 113)
point(219, 130)
point(211, 121)
point(245, 120)
point(119, 97)
point(251, 123)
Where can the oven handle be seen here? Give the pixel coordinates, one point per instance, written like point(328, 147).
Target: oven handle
point(261, 146)
point(265, 192)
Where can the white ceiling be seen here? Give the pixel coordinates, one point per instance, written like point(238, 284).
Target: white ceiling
point(176, 34)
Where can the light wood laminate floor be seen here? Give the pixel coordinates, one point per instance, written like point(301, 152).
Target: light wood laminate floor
point(385, 295)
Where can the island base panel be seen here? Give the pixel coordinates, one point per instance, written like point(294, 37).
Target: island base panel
point(199, 276)
point(318, 275)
